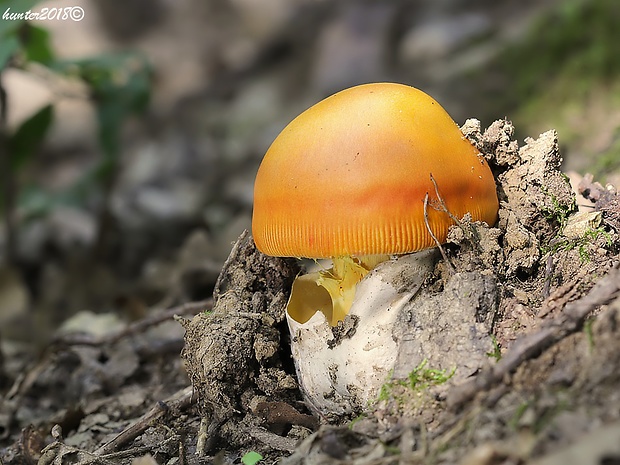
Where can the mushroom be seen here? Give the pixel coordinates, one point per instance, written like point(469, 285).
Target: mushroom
point(355, 179)
point(350, 178)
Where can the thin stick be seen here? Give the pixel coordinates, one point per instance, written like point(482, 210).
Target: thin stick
point(549, 268)
point(138, 326)
point(217, 289)
point(430, 231)
point(570, 320)
point(442, 204)
point(471, 232)
point(180, 400)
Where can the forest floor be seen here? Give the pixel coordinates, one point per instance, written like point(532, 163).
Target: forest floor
point(544, 282)
point(145, 339)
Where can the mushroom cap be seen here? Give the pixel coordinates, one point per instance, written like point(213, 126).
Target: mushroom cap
point(349, 176)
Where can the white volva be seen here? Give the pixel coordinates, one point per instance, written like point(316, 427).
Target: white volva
point(340, 375)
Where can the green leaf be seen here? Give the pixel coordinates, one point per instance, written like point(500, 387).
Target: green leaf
point(120, 86)
point(35, 201)
point(8, 47)
point(36, 42)
point(11, 29)
point(24, 143)
point(251, 458)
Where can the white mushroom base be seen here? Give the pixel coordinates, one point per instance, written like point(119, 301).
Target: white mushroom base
point(341, 369)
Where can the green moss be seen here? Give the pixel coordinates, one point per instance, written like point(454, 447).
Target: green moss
point(557, 212)
point(496, 353)
point(352, 423)
point(419, 380)
point(422, 377)
point(385, 393)
point(590, 236)
point(582, 244)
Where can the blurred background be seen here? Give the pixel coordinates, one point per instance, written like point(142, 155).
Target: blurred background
point(130, 138)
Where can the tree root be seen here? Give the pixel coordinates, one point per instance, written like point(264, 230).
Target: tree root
point(569, 321)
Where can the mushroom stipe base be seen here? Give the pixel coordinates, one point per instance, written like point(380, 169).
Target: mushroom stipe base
point(340, 372)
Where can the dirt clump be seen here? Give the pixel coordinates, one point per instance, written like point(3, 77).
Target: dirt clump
point(235, 358)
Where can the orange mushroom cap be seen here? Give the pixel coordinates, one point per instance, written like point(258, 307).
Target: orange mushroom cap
point(349, 176)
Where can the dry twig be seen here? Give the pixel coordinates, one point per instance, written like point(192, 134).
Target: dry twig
point(440, 205)
point(232, 258)
point(154, 318)
point(430, 231)
point(176, 402)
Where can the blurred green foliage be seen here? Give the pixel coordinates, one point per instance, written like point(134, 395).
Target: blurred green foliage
point(119, 86)
point(609, 160)
point(565, 75)
point(578, 40)
point(25, 141)
point(10, 40)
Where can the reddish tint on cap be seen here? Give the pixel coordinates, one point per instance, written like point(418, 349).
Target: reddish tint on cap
point(349, 175)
